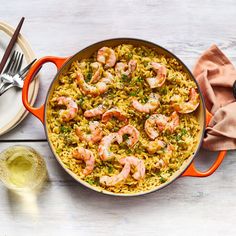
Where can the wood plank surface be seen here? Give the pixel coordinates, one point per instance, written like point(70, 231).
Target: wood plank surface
point(189, 206)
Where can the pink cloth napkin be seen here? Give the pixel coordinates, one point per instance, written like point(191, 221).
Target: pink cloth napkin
point(216, 75)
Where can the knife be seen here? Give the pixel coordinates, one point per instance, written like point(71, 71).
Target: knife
point(11, 45)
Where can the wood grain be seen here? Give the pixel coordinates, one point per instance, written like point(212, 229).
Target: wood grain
point(189, 206)
point(201, 205)
point(186, 28)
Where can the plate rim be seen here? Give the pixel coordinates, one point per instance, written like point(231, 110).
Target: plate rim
point(25, 46)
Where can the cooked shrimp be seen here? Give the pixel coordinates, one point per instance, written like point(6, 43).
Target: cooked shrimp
point(174, 121)
point(160, 164)
point(137, 163)
point(87, 156)
point(157, 123)
point(132, 131)
point(96, 89)
point(96, 66)
point(106, 56)
point(129, 161)
point(160, 78)
point(115, 179)
point(104, 146)
point(114, 112)
point(155, 146)
point(126, 69)
point(97, 111)
point(95, 135)
point(170, 148)
point(154, 124)
point(151, 105)
point(72, 108)
point(191, 105)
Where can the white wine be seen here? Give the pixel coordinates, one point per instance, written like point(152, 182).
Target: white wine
point(22, 168)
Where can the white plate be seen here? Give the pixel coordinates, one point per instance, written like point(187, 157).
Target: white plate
point(12, 110)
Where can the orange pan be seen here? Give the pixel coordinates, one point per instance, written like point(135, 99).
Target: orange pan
point(187, 169)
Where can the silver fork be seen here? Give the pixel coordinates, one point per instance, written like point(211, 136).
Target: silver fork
point(18, 78)
point(11, 69)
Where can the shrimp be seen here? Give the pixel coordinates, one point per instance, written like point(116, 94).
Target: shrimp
point(153, 124)
point(96, 66)
point(103, 148)
point(115, 179)
point(138, 164)
point(151, 105)
point(114, 112)
point(174, 121)
point(97, 111)
point(72, 108)
point(191, 105)
point(129, 161)
point(96, 133)
point(126, 69)
point(160, 78)
point(96, 89)
point(87, 156)
point(160, 164)
point(132, 131)
point(106, 56)
point(155, 146)
point(157, 123)
point(170, 148)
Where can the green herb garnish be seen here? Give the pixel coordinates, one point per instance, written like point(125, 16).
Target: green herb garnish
point(116, 129)
point(183, 131)
point(162, 180)
point(65, 129)
point(129, 151)
point(163, 91)
point(80, 101)
point(139, 79)
point(145, 99)
point(90, 181)
point(125, 78)
point(130, 55)
point(89, 76)
point(110, 169)
point(133, 93)
point(178, 137)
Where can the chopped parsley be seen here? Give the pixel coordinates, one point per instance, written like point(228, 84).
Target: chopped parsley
point(110, 169)
point(183, 131)
point(162, 180)
point(145, 100)
point(65, 129)
point(80, 101)
point(163, 91)
point(130, 55)
point(89, 76)
point(132, 93)
point(139, 79)
point(125, 78)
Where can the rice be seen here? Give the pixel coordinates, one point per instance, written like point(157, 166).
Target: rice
point(120, 94)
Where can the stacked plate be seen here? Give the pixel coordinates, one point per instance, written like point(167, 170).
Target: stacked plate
point(12, 110)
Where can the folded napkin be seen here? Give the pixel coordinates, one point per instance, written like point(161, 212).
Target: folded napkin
point(216, 76)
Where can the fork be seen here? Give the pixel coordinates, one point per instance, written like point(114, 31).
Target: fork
point(11, 69)
point(18, 78)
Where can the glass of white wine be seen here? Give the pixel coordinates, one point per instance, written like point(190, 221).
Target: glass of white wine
point(22, 168)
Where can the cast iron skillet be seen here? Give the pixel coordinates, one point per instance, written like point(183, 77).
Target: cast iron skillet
point(62, 64)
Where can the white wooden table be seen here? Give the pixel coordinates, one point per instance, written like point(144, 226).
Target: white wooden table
point(189, 206)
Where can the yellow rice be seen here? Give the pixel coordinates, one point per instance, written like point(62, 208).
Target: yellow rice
point(184, 139)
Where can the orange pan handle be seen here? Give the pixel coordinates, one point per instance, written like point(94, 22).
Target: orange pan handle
point(192, 171)
point(38, 112)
